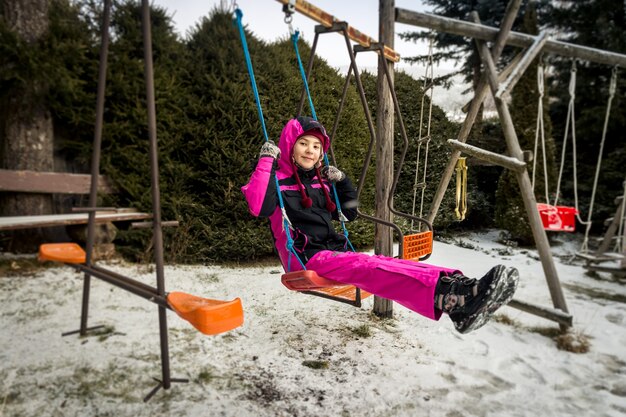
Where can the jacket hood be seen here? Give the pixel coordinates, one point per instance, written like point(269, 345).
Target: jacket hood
point(291, 132)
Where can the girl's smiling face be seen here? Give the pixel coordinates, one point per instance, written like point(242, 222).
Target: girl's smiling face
point(307, 152)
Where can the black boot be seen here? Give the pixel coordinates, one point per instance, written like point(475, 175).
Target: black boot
point(470, 303)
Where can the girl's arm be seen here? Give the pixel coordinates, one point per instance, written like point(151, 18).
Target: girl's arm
point(347, 198)
point(260, 191)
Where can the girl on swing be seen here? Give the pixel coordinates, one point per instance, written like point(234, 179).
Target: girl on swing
point(426, 289)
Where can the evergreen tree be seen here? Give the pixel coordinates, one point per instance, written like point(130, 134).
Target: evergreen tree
point(125, 144)
point(458, 48)
point(228, 137)
point(409, 92)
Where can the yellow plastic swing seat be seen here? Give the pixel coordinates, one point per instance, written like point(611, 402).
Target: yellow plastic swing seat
point(417, 245)
point(210, 317)
point(69, 253)
point(309, 280)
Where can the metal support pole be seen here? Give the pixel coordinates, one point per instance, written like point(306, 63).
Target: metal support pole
point(154, 177)
point(95, 163)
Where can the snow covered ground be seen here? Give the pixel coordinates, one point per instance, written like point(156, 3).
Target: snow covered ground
point(298, 355)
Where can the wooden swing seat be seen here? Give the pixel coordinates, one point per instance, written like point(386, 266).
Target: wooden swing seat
point(417, 245)
point(309, 281)
point(69, 253)
point(557, 218)
point(210, 317)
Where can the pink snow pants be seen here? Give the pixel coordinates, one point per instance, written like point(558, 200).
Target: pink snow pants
point(408, 283)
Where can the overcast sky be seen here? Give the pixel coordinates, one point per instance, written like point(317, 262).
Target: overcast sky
point(265, 19)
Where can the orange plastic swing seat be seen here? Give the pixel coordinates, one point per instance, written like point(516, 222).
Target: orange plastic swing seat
point(417, 245)
point(210, 317)
point(557, 218)
point(69, 253)
point(309, 280)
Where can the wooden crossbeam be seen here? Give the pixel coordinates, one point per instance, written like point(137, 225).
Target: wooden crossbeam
point(327, 20)
point(513, 164)
point(521, 40)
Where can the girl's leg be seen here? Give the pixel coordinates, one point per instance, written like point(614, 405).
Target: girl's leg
point(409, 283)
point(469, 302)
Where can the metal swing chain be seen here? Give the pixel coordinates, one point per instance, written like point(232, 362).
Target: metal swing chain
point(289, 9)
point(612, 88)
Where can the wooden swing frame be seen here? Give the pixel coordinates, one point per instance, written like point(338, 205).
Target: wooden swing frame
point(500, 88)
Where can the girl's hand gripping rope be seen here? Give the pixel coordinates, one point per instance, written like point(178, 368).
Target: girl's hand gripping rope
point(332, 174)
point(270, 149)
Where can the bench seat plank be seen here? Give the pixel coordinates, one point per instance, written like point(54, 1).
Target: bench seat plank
point(27, 222)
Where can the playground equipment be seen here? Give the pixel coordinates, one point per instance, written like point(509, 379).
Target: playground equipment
point(553, 217)
point(612, 248)
point(206, 315)
point(416, 246)
point(499, 90)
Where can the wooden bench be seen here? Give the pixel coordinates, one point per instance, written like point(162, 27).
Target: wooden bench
point(62, 183)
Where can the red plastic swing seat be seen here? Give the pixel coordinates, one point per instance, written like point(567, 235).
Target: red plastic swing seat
point(308, 280)
point(557, 218)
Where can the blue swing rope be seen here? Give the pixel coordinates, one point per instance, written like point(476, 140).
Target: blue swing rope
point(294, 39)
point(286, 223)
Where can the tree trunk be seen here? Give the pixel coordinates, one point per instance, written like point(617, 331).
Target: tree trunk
point(26, 126)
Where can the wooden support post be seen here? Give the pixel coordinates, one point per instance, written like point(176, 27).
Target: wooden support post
point(610, 232)
point(558, 316)
point(541, 240)
point(507, 86)
point(479, 96)
point(513, 164)
point(383, 240)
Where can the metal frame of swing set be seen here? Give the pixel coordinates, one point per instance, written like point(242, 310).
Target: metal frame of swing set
point(206, 315)
point(500, 86)
point(418, 245)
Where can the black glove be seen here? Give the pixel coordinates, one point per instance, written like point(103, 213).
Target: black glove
point(332, 174)
point(269, 148)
